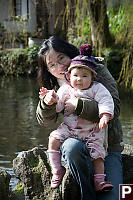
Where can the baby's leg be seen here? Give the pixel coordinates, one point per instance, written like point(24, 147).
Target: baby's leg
point(55, 161)
point(54, 154)
point(54, 144)
point(98, 166)
point(99, 176)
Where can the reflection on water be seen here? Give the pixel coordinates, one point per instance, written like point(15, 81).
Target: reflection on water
point(127, 120)
point(19, 129)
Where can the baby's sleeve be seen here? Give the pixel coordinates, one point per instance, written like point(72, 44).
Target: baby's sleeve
point(105, 100)
point(62, 94)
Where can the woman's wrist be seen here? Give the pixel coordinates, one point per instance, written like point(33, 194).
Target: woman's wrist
point(87, 109)
point(79, 107)
point(44, 106)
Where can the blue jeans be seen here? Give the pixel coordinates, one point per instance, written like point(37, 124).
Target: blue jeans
point(76, 156)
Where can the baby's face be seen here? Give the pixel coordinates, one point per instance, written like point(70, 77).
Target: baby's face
point(80, 78)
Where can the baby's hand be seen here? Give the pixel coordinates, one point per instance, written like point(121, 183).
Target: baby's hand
point(48, 96)
point(103, 121)
point(43, 92)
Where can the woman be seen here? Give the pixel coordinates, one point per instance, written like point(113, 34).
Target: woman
point(54, 59)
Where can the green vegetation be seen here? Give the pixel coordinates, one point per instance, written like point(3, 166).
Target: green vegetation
point(19, 189)
point(118, 55)
point(81, 32)
point(33, 162)
point(117, 21)
point(83, 36)
point(19, 61)
point(125, 41)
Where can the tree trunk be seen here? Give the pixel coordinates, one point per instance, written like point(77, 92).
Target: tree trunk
point(100, 34)
point(50, 17)
point(56, 20)
point(42, 18)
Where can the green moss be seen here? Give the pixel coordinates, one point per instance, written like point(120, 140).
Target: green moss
point(19, 189)
point(37, 170)
point(33, 162)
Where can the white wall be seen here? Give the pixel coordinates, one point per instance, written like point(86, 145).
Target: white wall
point(5, 10)
point(33, 16)
point(15, 26)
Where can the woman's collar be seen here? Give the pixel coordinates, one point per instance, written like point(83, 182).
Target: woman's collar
point(61, 81)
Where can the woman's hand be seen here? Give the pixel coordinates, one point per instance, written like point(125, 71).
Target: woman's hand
point(48, 96)
point(70, 105)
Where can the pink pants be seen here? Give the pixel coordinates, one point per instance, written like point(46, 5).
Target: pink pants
point(92, 136)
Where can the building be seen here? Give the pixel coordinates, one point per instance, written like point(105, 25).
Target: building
point(19, 14)
point(31, 18)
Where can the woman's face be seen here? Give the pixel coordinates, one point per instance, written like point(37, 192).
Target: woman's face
point(57, 63)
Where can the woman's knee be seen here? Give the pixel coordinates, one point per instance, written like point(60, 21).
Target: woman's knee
point(73, 148)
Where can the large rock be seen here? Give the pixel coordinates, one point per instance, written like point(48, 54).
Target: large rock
point(33, 170)
point(127, 159)
point(4, 185)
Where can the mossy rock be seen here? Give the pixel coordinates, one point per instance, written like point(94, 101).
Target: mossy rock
point(36, 176)
point(4, 184)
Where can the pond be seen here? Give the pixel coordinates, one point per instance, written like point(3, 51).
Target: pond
point(19, 129)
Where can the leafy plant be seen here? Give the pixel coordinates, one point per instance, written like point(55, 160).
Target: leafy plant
point(32, 53)
point(19, 62)
point(19, 23)
point(117, 21)
point(79, 37)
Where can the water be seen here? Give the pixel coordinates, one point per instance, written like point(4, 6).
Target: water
point(127, 120)
point(19, 129)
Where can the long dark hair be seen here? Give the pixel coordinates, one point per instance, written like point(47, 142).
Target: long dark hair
point(45, 78)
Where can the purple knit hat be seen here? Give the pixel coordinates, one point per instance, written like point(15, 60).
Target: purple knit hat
point(84, 59)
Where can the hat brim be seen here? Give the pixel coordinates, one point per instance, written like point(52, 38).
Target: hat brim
point(83, 66)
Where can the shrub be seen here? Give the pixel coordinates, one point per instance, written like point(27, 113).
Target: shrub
point(117, 21)
point(19, 62)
